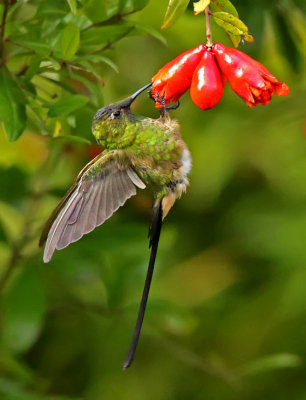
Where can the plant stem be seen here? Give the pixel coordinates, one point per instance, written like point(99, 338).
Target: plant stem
point(2, 26)
point(209, 42)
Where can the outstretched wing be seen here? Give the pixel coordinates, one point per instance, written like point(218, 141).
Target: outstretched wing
point(101, 188)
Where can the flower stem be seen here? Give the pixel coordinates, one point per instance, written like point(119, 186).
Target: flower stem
point(2, 25)
point(209, 42)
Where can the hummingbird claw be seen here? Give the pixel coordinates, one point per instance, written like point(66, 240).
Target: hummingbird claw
point(161, 100)
point(174, 107)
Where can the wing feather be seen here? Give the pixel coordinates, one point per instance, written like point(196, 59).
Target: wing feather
point(92, 201)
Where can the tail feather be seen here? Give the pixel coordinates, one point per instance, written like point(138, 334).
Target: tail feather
point(154, 234)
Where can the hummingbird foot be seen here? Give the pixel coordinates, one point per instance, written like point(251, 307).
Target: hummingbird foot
point(161, 100)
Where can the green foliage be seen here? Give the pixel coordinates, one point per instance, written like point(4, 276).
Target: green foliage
point(226, 313)
point(58, 49)
point(12, 105)
point(174, 11)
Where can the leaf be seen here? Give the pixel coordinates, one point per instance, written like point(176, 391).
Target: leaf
point(98, 58)
point(248, 38)
point(11, 220)
point(12, 105)
point(275, 361)
point(141, 28)
point(73, 6)
point(70, 41)
point(73, 138)
point(175, 9)
point(67, 105)
point(96, 10)
point(105, 34)
point(223, 5)
point(40, 48)
point(200, 6)
point(131, 5)
point(236, 39)
point(23, 311)
point(230, 23)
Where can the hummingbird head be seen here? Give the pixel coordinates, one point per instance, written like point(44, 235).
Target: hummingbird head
point(110, 123)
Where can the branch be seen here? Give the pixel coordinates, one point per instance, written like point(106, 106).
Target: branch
point(110, 44)
point(2, 26)
point(209, 42)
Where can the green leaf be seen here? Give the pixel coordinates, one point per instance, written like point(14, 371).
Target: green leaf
point(24, 307)
point(98, 58)
point(200, 6)
point(249, 38)
point(131, 5)
point(223, 5)
point(38, 47)
point(73, 6)
point(67, 105)
point(147, 29)
point(96, 10)
point(12, 105)
point(73, 138)
point(236, 39)
point(105, 34)
point(230, 23)
point(11, 220)
point(70, 41)
point(275, 361)
point(175, 9)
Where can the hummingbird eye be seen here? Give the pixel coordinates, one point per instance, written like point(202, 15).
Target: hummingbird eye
point(115, 114)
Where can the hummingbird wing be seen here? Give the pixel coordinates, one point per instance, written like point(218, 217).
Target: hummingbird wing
point(102, 187)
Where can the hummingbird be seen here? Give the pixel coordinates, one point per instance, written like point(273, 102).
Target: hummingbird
point(139, 152)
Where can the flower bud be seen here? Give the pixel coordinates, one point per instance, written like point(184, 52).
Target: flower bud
point(173, 79)
point(207, 85)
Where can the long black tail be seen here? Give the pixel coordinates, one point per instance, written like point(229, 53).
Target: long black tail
point(154, 233)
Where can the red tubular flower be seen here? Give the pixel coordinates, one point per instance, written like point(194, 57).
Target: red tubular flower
point(173, 79)
point(247, 77)
point(207, 84)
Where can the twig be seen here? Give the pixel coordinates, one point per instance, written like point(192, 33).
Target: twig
point(2, 26)
point(18, 246)
point(110, 44)
point(11, 265)
point(114, 18)
point(209, 42)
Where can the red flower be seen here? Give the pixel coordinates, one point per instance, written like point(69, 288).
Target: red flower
point(247, 77)
point(207, 84)
point(173, 79)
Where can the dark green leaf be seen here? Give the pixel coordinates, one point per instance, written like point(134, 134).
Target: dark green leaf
point(67, 105)
point(70, 41)
point(175, 9)
point(40, 48)
point(12, 105)
point(23, 311)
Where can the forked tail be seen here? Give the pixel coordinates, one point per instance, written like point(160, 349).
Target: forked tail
point(154, 233)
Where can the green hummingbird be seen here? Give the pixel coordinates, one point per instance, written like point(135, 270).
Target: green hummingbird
point(138, 152)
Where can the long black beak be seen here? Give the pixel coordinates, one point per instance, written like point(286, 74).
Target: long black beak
point(127, 102)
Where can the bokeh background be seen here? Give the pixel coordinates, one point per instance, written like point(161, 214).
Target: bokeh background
point(227, 311)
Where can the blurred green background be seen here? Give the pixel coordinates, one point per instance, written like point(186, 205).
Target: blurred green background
point(227, 311)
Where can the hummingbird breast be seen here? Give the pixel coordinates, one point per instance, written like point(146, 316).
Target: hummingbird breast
point(161, 157)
